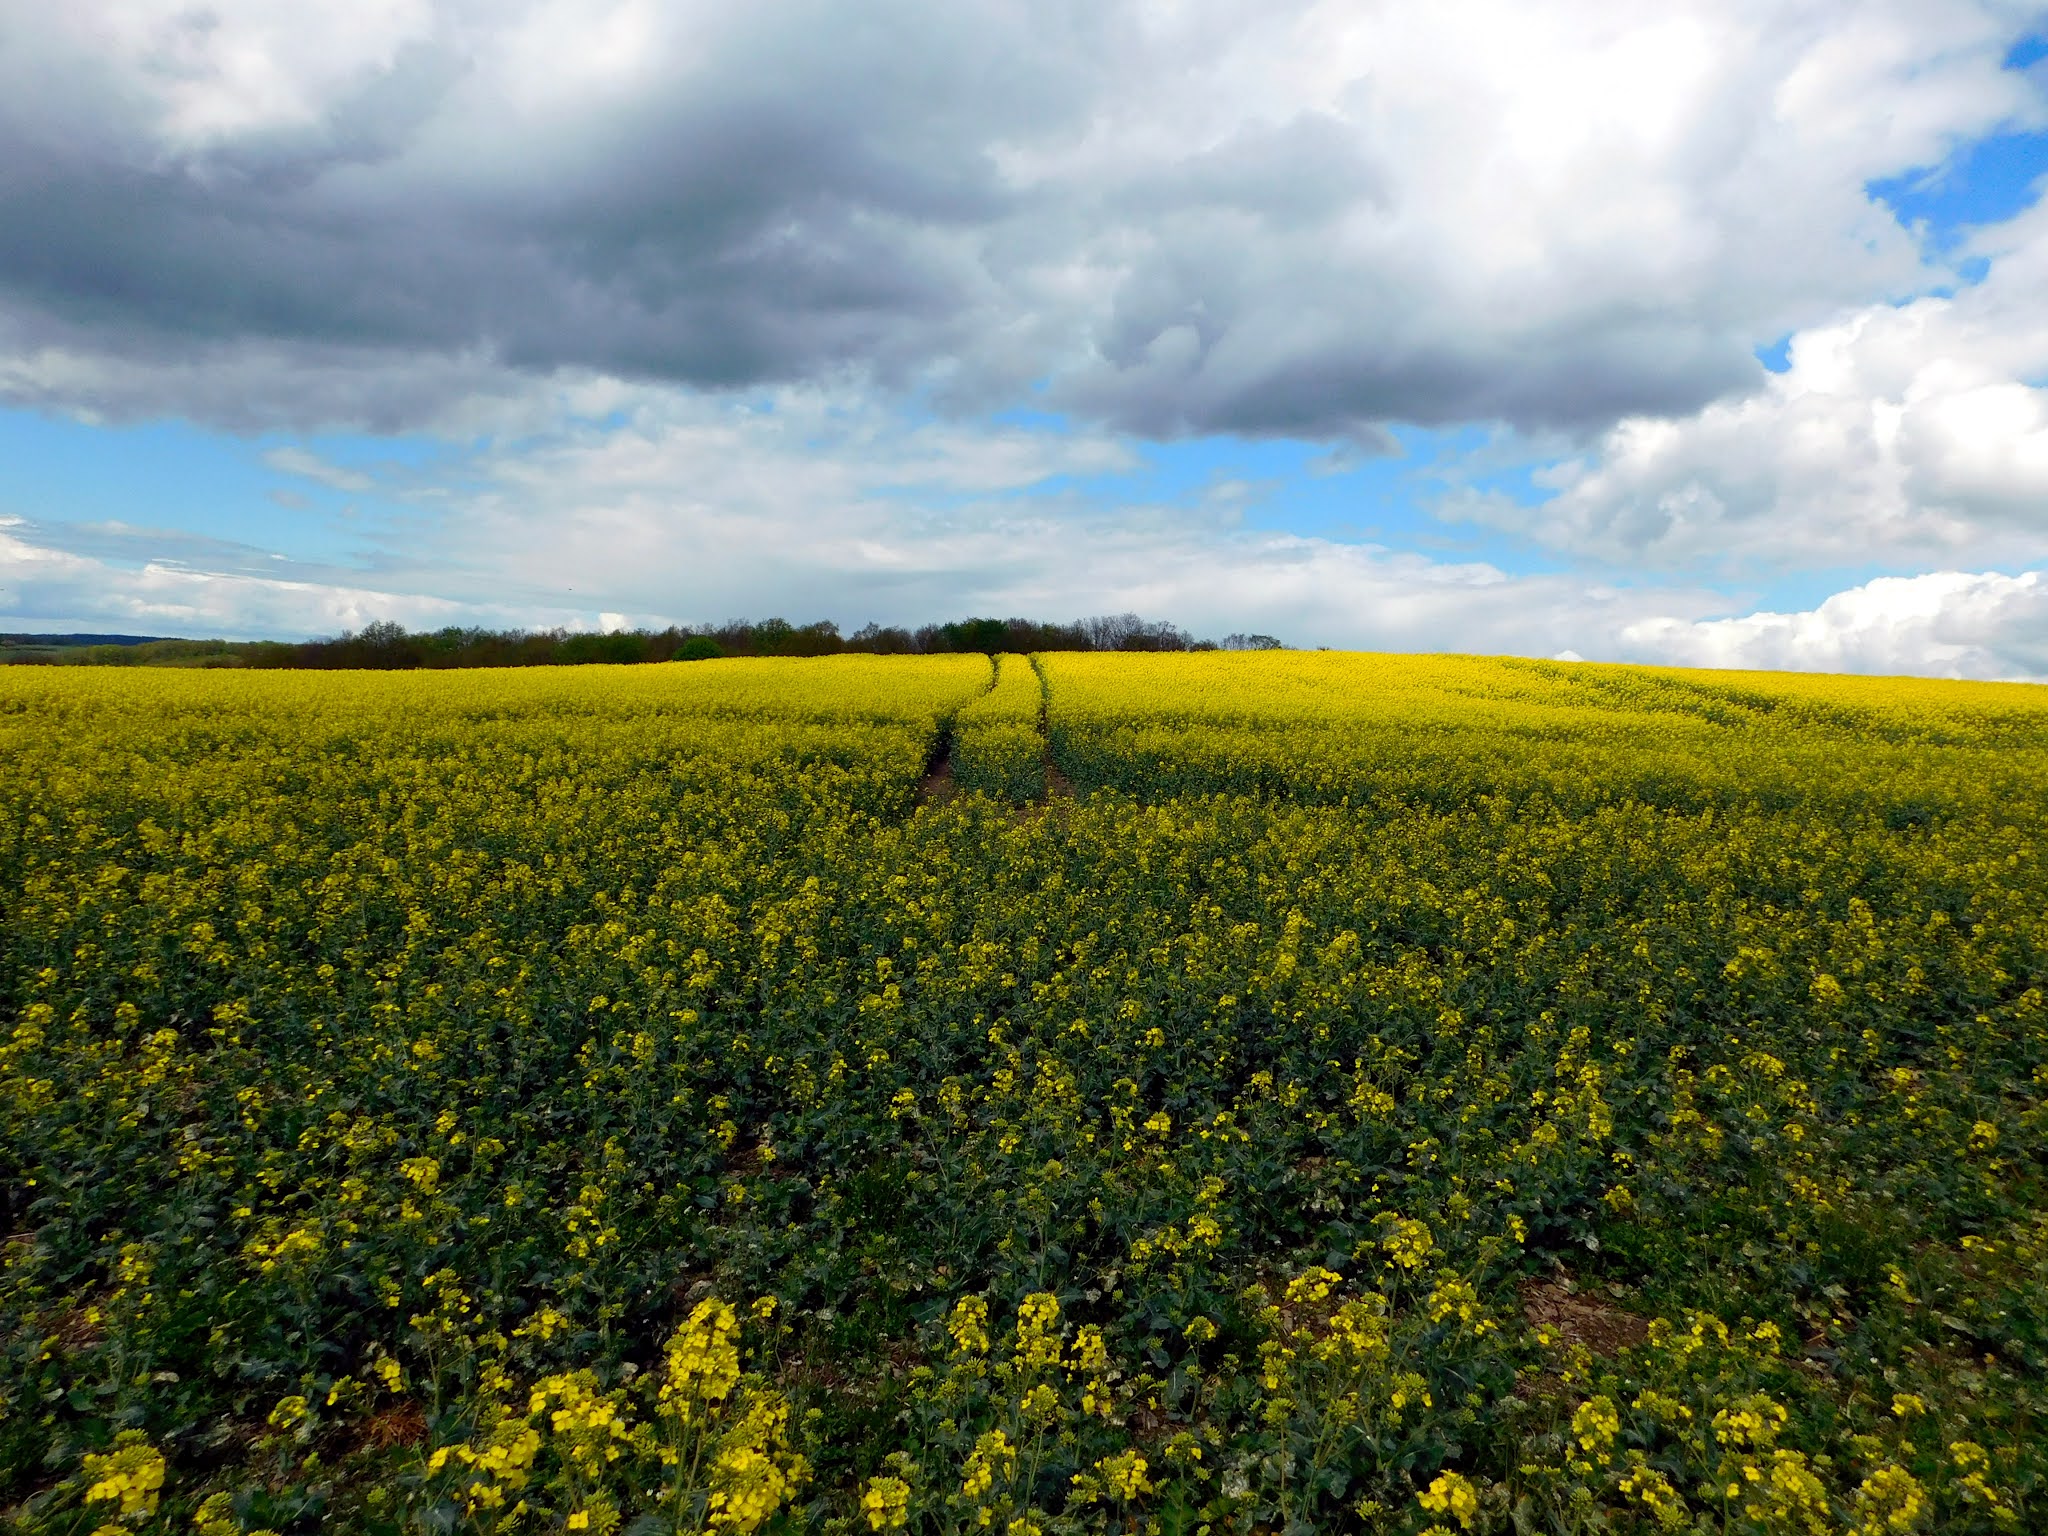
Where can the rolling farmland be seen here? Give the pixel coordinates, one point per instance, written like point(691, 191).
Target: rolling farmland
point(1210, 1093)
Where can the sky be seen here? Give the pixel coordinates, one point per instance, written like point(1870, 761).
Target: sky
point(1712, 333)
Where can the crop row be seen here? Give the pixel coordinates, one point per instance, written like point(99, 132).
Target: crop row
point(998, 745)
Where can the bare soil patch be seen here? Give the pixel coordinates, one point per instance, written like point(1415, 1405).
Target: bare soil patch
point(402, 1424)
point(937, 785)
point(1580, 1317)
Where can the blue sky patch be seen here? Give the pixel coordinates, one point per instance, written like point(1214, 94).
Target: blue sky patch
point(56, 471)
point(1985, 182)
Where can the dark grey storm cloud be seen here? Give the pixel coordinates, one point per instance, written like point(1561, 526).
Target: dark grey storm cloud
point(782, 213)
point(1217, 218)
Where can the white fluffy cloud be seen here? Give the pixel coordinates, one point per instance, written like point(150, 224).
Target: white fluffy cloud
point(1310, 591)
point(1310, 218)
point(652, 505)
point(1907, 433)
point(43, 588)
point(1948, 624)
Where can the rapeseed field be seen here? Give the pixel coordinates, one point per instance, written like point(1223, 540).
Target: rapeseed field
point(1367, 1094)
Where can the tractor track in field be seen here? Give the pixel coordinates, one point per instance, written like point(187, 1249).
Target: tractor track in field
point(938, 785)
point(1058, 787)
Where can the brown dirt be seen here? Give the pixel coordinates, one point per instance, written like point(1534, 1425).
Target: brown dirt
point(691, 1288)
point(1580, 1317)
point(75, 1327)
point(744, 1160)
point(937, 786)
point(401, 1424)
point(1148, 1426)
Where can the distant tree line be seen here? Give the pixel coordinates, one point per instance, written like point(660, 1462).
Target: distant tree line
point(386, 646)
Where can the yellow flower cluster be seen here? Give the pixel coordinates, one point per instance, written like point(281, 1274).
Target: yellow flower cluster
point(886, 1503)
point(1453, 1495)
point(992, 1459)
point(1595, 1425)
point(1408, 1244)
point(1120, 1479)
point(969, 1325)
point(502, 1464)
point(703, 1362)
point(754, 1472)
point(130, 1477)
point(1038, 1332)
point(1890, 1502)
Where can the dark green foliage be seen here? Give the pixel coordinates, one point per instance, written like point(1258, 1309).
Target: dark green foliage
point(386, 646)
